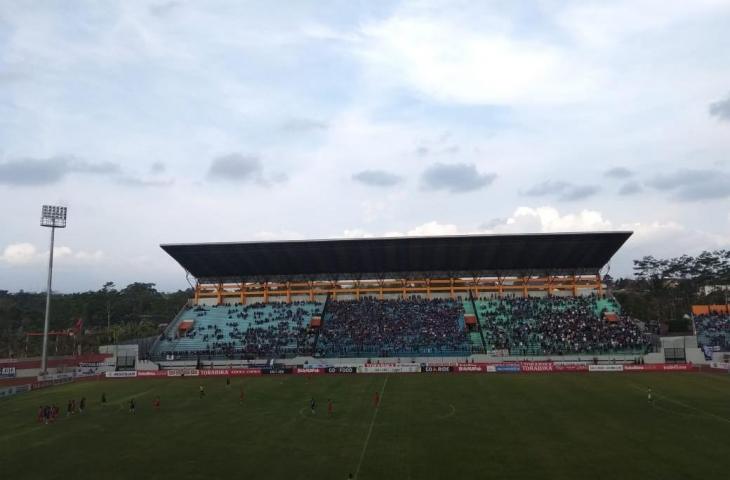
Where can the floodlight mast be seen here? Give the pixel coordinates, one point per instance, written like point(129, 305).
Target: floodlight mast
point(53, 217)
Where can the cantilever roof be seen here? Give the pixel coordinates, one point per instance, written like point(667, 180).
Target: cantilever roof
point(401, 257)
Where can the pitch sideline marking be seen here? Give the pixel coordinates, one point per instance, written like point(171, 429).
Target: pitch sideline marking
point(685, 405)
point(370, 430)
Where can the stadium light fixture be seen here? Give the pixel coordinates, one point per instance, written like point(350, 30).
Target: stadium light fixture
point(53, 217)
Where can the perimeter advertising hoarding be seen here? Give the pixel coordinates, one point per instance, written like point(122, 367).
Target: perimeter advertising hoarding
point(309, 371)
point(659, 367)
point(470, 367)
point(436, 368)
point(537, 367)
point(389, 368)
point(7, 372)
point(126, 374)
point(605, 368)
point(342, 369)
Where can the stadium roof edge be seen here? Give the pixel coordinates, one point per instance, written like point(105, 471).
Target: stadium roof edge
point(347, 239)
point(399, 257)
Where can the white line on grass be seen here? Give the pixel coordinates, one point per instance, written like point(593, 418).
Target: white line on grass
point(370, 430)
point(685, 405)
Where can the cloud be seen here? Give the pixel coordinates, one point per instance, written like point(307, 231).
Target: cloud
point(303, 125)
point(451, 58)
point(561, 190)
point(721, 109)
point(694, 184)
point(130, 181)
point(422, 151)
point(630, 188)
point(619, 173)
point(455, 177)
point(48, 171)
point(236, 167)
point(164, 9)
point(549, 220)
point(377, 178)
point(19, 254)
point(157, 167)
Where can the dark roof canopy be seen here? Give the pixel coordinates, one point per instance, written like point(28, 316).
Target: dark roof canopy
point(402, 257)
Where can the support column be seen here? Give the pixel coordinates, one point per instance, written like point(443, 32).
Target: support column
point(428, 288)
point(599, 285)
point(197, 293)
point(288, 292)
point(524, 286)
point(452, 288)
point(574, 286)
point(219, 293)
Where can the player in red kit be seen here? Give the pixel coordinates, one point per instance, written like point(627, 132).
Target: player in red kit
point(330, 407)
point(376, 399)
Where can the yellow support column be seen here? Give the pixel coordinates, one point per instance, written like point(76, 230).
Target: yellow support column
point(575, 286)
point(524, 287)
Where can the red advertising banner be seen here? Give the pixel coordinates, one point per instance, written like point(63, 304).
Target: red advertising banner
point(309, 371)
point(570, 367)
point(152, 373)
point(470, 367)
point(233, 372)
point(532, 367)
point(659, 367)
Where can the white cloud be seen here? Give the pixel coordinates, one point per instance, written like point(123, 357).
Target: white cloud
point(549, 220)
point(19, 254)
point(446, 58)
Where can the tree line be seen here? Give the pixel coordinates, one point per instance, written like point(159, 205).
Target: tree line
point(108, 314)
point(664, 289)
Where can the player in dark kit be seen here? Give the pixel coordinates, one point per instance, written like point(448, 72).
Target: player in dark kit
point(312, 405)
point(202, 391)
point(82, 404)
point(132, 407)
point(228, 382)
point(240, 395)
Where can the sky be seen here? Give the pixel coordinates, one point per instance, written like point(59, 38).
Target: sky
point(180, 121)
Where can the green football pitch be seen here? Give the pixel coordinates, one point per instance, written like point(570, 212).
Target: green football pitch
point(477, 426)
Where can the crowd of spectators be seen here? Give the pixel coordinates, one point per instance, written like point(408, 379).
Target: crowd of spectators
point(713, 330)
point(393, 328)
point(252, 330)
point(557, 325)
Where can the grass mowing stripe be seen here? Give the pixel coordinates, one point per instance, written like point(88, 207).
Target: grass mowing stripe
point(370, 430)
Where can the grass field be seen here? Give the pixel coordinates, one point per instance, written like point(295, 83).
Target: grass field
point(566, 426)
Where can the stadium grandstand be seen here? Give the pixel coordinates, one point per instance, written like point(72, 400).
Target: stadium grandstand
point(534, 294)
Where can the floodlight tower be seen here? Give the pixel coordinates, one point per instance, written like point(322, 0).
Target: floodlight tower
point(53, 217)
